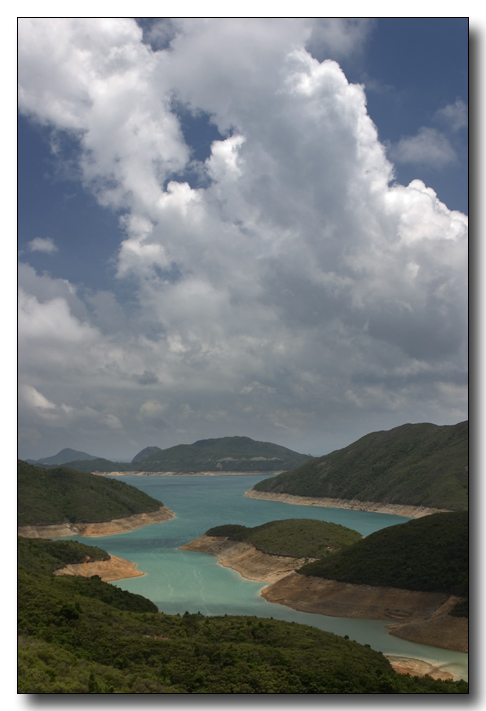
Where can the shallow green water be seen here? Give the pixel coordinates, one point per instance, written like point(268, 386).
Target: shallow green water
point(181, 580)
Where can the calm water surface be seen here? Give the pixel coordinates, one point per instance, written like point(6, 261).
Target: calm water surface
point(181, 580)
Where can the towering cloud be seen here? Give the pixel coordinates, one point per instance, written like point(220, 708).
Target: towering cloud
point(285, 287)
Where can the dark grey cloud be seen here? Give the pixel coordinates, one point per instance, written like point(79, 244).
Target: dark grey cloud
point(146, 378)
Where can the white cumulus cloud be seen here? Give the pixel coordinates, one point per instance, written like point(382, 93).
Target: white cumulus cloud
point(42, 244)
point(454, 116)
point(291, 290)
point(428, 147)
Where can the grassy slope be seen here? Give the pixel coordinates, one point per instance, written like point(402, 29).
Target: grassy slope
point(223, 454)
point(421, 464)
point(427, 554)
point(297, 538)
point(85, 636)
point(61, 495)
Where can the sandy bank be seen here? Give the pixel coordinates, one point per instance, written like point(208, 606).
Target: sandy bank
point(417, 667)
point(245, 559)
point(418, 616)
point(105, 528)
point(353, 504)
point(109, 570)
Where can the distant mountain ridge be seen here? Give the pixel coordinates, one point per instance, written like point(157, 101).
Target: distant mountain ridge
point(62, 457)
point(147, 452)
point(414, 464)
point(224, 454)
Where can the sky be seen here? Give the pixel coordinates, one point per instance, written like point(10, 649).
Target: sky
point(248, 227)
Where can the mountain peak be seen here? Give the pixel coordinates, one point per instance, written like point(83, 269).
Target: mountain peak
point(144, 453)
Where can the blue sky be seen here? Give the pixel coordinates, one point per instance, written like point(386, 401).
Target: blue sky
point(253, 227)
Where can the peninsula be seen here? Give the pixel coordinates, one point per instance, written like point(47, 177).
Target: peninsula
point(61, 502)
point(412, 574)
point(271, 551)
point(411, 470)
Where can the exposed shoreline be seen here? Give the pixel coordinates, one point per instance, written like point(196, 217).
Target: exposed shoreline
point(245, 558)
point(408, 510)
point(108, 570)
point(421, 617)
point(418, 667)
point(103, 528)
point(416, 616)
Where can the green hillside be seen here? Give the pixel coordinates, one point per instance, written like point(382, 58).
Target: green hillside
point(85, 636)
point(428, 554)
point(422, 465)
point(144, 453)
point(224, 454)
point(61, 495)
point(296, 538)
point(100, 465)
point(46, 556)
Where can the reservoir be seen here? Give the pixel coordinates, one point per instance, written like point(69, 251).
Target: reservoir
point(179, 581)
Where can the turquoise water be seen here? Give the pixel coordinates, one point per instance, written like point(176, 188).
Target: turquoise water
point(181, 580)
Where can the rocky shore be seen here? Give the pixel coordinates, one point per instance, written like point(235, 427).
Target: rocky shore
point(104, 528)
point(353, 504)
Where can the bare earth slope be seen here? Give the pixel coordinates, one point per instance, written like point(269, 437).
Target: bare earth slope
point(419, 616)
point(108, 570)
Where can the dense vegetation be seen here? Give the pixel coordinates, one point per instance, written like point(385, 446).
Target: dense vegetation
point(83, 636)
point(427, 554)
point(422, 465)
point(46, 556)
point(224, 454)
point(297, 538)
point(39, 558)
point(61, 495)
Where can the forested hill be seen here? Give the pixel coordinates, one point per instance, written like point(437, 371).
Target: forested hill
point(429, 554)
point(224, 454)
point(60, 495)
point(293, 537)
point(420, 465)
point(83, 636)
